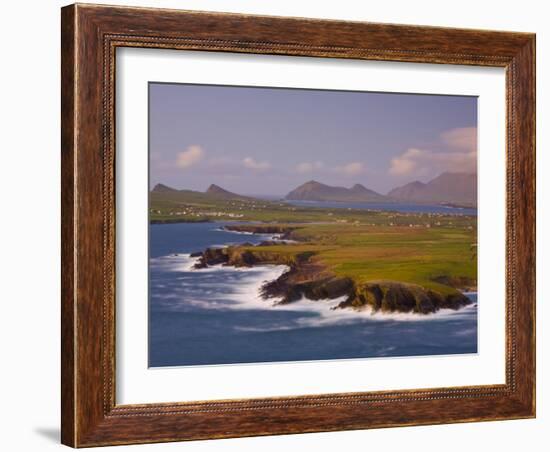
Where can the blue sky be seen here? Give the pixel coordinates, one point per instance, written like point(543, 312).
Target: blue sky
point(270, 140)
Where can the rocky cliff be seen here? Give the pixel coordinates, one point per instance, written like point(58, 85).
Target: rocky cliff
point(307, 278)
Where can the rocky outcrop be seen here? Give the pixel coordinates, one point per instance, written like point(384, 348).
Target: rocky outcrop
point(392, 296)
point(458, 282)
point(291, 287)
point(242, 256)
point(307, 278)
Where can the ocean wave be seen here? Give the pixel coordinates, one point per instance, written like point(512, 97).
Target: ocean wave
point(266, 236)
point(174, 262)
point(221, 286)
point(233, 232)
point(239, 288)
point(327, 313)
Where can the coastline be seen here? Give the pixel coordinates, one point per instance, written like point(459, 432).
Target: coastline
point(217, 315)
point(178, 220)
point(308, 278)
point(327, 310)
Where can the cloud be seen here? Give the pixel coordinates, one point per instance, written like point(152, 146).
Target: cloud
point(191, 156)
point(250, 163)
point(351, 169)
point(461, 156)
point(423, 162)
point(407, 163)
point(463, 138)
point(308, 167)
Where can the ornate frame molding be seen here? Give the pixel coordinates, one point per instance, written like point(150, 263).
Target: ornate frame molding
point(90, 37)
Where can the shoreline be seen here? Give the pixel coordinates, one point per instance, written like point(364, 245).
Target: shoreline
point(312, 280)
point(304, 303)
point(177, 221)
point(311, 313)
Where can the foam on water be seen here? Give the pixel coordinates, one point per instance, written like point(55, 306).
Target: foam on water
point(173, 262)
point(218, 316)
point(238, 288)
point(273, 237)
point(327, 313)
point(216, 286)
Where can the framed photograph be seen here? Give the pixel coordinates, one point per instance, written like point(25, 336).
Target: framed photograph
point(281, 225)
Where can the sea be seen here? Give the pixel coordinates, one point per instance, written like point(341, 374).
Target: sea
point(387, 206)
point(216, 316)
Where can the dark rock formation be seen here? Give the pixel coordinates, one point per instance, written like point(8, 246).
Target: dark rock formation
point(458, 282)
point(287, 291)
point(212, 256)
point(243, 256)
point(392, 296)
point(310, 279)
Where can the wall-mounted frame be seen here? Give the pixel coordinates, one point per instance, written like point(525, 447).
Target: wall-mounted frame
point(92, 37)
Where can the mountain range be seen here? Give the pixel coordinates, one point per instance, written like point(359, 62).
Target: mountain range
point(455, 188)
point(458, 188)
point(450, 188)
point(316, 191)
point(213, 191)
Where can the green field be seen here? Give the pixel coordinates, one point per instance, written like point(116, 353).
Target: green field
point(417, 255)
point(190, 206)
point(435, 251)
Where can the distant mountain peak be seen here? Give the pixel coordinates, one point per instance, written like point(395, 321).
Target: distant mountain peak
point(312, 182)
point(359, 188)
point(216, 190)
point(161, 188)
point(447, 187)
point(316, 191)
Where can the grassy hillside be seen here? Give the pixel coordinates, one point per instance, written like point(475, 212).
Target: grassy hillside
point(416, 255)
point(192, 206)
point(435, 251)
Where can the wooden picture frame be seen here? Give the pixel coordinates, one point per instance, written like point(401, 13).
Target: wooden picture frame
point(90, 36)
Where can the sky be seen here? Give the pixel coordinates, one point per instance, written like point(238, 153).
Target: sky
point(267, 141)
